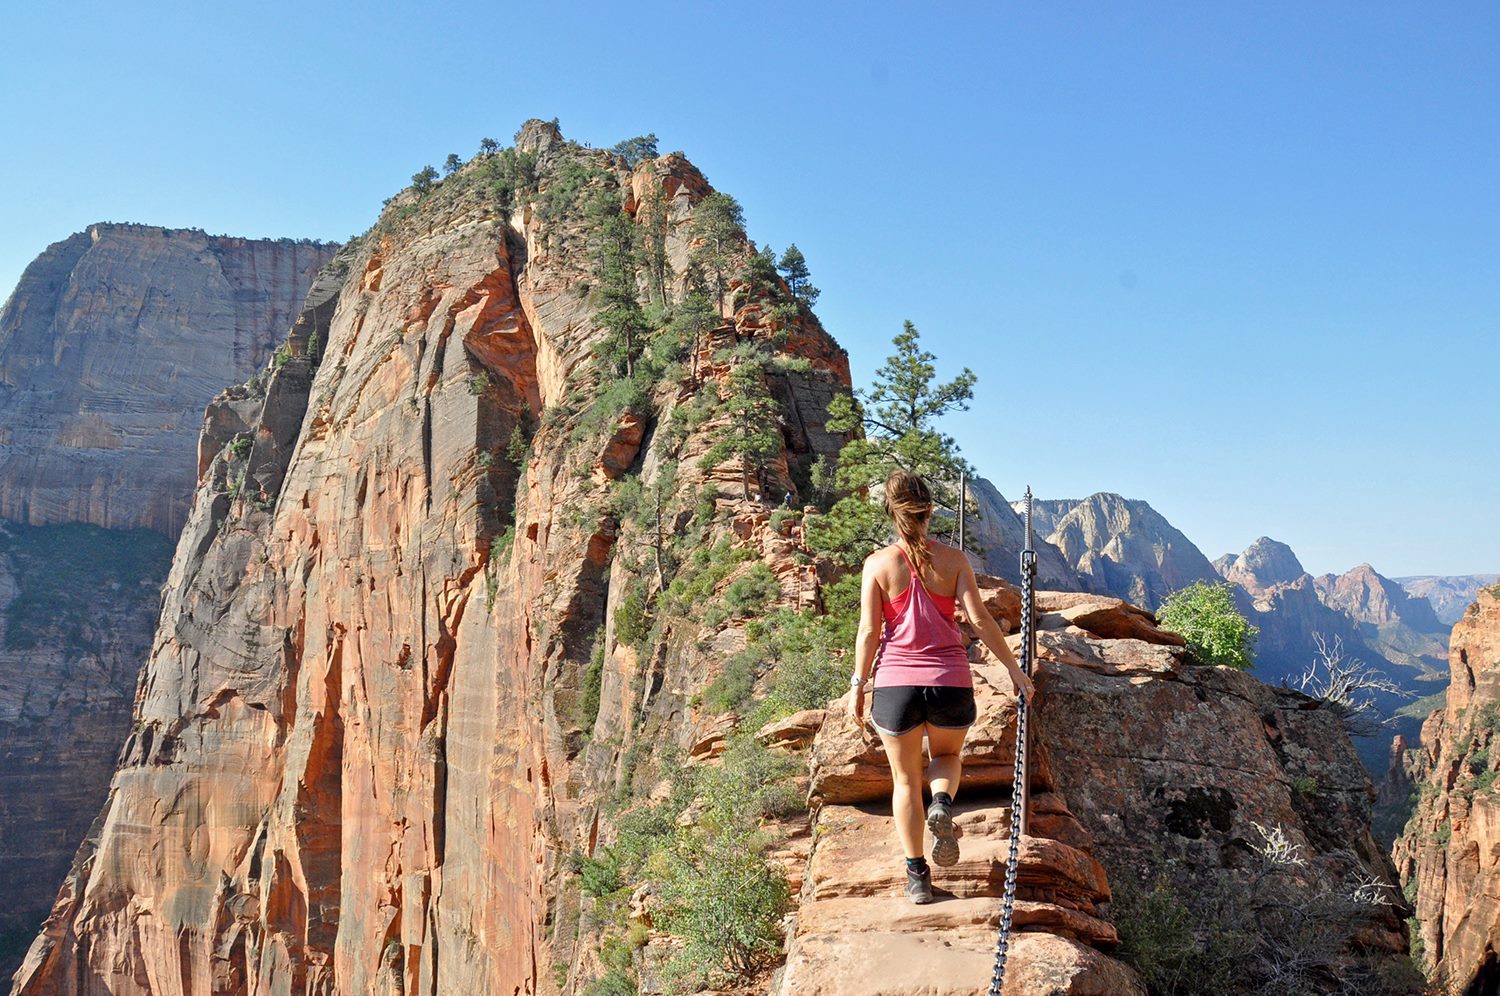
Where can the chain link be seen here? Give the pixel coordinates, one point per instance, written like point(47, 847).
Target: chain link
point(1018, 776)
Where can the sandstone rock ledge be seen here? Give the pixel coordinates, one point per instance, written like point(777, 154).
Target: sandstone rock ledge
point(856, 932)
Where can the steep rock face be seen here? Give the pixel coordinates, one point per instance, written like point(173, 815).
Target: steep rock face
point(1449, 595)
point(1001, 530)
point(1447, 853)
point(110, 347)
point(362, 700)
point(1045, 512)
point(1124, 547)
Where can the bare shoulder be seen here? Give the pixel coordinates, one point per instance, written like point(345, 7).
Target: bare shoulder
point(881, 559)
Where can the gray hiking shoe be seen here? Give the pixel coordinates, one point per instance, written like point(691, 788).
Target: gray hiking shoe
point(945, 840)
point(919, 886)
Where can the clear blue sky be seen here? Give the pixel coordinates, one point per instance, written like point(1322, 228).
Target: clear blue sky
point(1240, 260)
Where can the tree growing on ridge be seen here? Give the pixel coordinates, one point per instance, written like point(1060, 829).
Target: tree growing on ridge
point(451, 164)
point(422, 179)
point(488, 146)
point(794, 271)
point(899, 417)
point(636, 150)
point(694, 316)
point(619, 306)
point(752, 432)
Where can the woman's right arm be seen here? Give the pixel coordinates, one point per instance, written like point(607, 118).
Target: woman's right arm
point(867, 638)
point(989, 630)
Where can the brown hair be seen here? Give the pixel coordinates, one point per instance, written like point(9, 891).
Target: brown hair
point(908, 501)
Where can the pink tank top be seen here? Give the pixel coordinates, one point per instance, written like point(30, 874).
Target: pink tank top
point(921, 644)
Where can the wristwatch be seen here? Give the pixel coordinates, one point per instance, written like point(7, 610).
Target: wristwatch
point(856, 681)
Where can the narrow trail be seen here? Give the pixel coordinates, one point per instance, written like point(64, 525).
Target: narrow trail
point(856, 932)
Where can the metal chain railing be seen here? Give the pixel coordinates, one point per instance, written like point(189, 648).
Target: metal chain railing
point(1018, 793)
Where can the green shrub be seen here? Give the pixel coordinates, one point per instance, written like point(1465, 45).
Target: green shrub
point(695, 584)
point(1158, 935)
point(1205, 615)
point(631, 624)
point(241, 446)
point(746, 596)
point(615, 982)
point(601, 876)
point(1306, 785)
point(734, 685)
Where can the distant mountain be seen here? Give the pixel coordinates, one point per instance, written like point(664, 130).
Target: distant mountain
point(1264, 564)
point(1045, 513)
point(1001, 531)
point(1449, 594)
point(1404, 627)
point(1124, 547)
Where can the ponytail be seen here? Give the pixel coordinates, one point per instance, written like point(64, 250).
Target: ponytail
point(908, 502)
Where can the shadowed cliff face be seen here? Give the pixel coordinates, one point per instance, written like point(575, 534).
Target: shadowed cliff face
point(110, 347)
point(1446, 854)
point(353, 769)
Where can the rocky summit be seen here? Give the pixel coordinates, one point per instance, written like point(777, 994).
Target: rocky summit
point(457, 682)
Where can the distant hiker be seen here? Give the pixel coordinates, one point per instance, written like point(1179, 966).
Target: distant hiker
point(923, 685)
point(786, 500)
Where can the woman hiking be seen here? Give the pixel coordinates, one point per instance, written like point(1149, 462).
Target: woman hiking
point(923, 685)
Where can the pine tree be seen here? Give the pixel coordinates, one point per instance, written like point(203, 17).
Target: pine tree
point(654, 252)
point(619, 305)
point(422, 179)
point(719, 228)
point(897, 425)
point(636, 150)
point(752, 431)
point(451, 164)
point(694, 316)
point(488, 146)
point(793, 267)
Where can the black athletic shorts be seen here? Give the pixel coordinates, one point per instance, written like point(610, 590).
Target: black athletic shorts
point(897, 709)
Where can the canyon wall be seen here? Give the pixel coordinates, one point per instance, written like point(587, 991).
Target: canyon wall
point(110, 347)
point(1447, 854)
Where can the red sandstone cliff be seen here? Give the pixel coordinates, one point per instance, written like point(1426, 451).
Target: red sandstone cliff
point(1447, 854)
point(356, 758)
